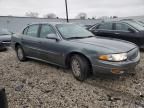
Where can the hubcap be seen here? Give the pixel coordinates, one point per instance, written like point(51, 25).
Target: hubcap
point(20, 53)
point(76, 67)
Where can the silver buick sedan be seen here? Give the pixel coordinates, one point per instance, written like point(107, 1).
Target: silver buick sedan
point(69, 45)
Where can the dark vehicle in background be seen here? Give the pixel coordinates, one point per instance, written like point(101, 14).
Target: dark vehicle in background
point(5, 39)
point(69, 45)
point(124, 29)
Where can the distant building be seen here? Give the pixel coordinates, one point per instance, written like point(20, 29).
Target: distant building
point(16, 24)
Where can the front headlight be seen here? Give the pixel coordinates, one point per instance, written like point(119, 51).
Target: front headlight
point(114, 57)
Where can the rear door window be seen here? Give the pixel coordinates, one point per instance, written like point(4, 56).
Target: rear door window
point(105, 26)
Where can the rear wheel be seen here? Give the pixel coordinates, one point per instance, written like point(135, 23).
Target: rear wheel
point(80, 67)
point(20, 53)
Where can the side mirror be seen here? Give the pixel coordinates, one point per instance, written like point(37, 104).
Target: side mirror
point(52, 36)
point(131, 30)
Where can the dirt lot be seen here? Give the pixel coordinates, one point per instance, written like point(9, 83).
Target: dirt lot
point(34, 84)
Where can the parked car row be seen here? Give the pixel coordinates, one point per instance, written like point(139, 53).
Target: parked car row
point(71, 46)
point(106, 47)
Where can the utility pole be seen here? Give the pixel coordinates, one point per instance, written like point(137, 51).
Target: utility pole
point(66, 11)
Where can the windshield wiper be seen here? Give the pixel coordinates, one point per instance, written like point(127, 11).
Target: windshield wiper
point(80, 37)
point(75, 37)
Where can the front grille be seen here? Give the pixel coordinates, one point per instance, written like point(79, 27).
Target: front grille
point(133, 54)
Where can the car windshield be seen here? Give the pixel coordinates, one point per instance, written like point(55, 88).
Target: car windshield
point(136, 25)
point(4, 32)
point(70, 31)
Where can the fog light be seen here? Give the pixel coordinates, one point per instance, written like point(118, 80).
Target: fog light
point(117, 71)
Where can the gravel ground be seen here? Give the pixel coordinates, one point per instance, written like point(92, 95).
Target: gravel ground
point(34, 84)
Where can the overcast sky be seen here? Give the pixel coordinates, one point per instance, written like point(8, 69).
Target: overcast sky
point(91, 7)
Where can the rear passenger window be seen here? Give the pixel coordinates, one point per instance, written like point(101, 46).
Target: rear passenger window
point(33, 30)
point(45, 30)
point(105, 26)
point(122, 27)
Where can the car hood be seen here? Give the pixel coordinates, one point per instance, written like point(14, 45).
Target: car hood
point(5, 37)
point(114, 45)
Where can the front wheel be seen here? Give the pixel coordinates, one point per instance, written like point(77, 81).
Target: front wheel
point(80, 67)
point(20, 53)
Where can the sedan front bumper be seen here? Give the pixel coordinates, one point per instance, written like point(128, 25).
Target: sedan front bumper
point(115, 67)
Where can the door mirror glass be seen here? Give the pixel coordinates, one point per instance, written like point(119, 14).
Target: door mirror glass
point(52, 36)
point(131, 30)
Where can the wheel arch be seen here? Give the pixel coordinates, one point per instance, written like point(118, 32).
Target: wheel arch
point(69, 55)
point(16, 45)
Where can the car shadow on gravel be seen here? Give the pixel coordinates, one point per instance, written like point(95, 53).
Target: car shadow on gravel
point(111, 77)
point(65, 70)
point(98, 76)
point(3, 50)
point(102, 79)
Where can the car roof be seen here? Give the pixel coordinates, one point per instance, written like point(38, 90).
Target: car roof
point(120, 21)
point(52, 23)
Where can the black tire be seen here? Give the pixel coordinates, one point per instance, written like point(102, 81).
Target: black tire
point(83, 65)
point(3, 99)
point(20, 53)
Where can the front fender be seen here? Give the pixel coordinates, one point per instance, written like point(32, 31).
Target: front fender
point(82, 52)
